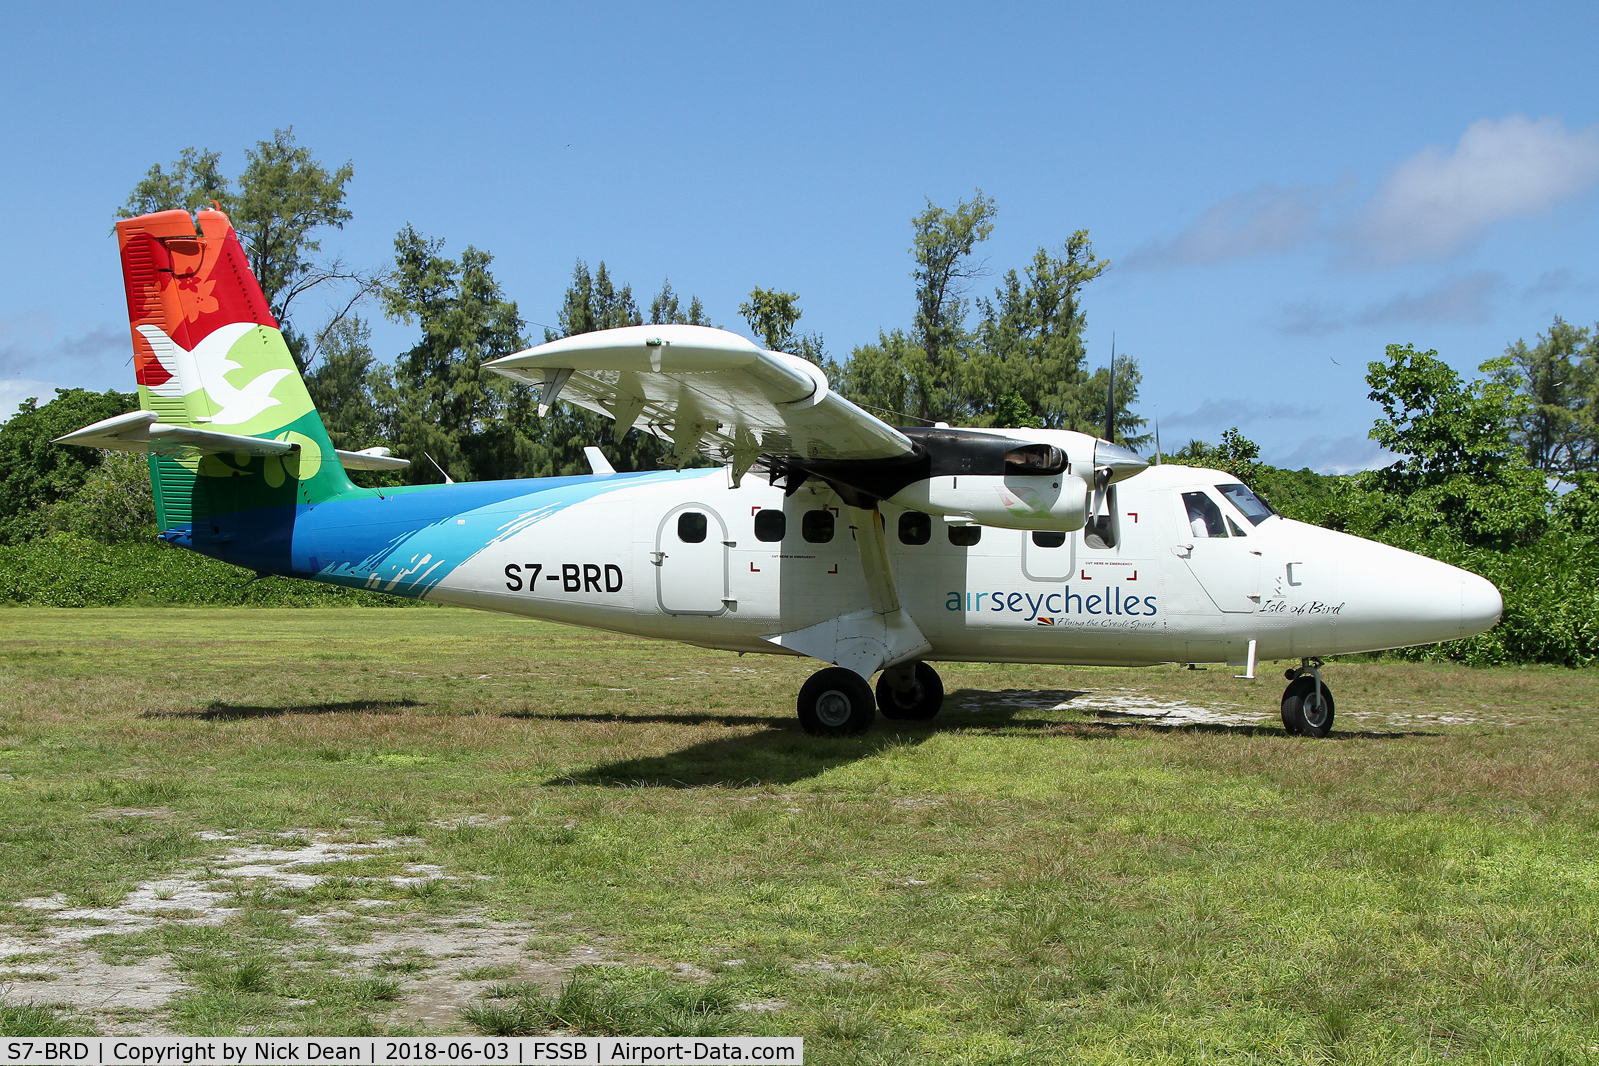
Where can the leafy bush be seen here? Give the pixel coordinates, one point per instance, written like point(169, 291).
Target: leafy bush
point(69, 570)
point(34, 473)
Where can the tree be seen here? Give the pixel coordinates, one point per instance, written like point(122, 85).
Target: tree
point(1029, 346)
point(1236, 454)
point(34, 473)
point(194, 180)
point(450, 408)
point(593, 301)
point(284, 198)
point(1458, 473)
point(943, 243)
point(772, 315)
point(664, 308)
point(1559, 376)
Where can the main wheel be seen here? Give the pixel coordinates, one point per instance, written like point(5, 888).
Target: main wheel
point(916, 702)
point(836, 703)
point(1307, 712)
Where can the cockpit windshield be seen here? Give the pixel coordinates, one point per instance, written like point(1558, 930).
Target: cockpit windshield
point(1254, 508)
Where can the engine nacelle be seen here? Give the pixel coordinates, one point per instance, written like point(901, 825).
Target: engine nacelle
point(1010, 501)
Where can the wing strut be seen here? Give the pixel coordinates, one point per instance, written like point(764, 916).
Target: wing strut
point(865, 641)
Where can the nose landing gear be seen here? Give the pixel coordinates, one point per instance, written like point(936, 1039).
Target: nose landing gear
point(1307, 702)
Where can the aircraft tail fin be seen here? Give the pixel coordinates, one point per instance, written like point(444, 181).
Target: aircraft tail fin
point(212, 366)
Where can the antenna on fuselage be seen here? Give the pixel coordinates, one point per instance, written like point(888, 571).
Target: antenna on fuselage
point(448, 480)
point(1110, 394)
point(1157, 442)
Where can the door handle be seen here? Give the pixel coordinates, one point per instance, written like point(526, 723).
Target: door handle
point(658, 556)
point(1182, 551)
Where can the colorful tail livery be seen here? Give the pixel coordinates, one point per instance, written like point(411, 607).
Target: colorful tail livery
point(224, 413)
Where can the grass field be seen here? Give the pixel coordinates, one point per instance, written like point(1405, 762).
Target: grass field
point(339, 821)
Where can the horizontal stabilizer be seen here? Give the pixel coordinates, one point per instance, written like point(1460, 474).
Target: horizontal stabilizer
point(705, 391)
point(371, 459)
point(139, 431)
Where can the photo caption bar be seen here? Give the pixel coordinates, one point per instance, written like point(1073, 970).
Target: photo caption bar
point(389, 1051)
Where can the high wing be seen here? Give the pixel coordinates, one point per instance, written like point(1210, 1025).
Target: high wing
point(707, 390)
point(141, 431)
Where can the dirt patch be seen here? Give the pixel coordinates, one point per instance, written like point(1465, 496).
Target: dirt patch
point(440, 964)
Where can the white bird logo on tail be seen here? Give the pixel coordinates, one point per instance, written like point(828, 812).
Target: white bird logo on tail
point(206, 367)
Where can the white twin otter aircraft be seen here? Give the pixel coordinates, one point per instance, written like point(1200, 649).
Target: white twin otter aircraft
point(826, 532)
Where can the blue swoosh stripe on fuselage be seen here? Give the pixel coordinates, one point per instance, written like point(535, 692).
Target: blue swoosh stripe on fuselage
point(405, 544)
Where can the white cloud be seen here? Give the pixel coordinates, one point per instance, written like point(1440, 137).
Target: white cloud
point(29, 341)
point(1461, 299)
point(1336, 455)
point(1557, 282)
point(1265, 221)
point(1213, 416)
point(1435, 204)
point(14, 390)
point(1465, 298)
point(1439, 202)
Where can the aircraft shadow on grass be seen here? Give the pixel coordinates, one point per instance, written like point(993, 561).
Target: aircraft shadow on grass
point(780, 753)
point(233, 712)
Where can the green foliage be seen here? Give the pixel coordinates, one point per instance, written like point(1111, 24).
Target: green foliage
point(194, 180)
point(664, 307)
point(36, 474)
point(1458, 474)
point(69, 570)
point(1024, 365)
point(115, 503)
point(772, 315)
point(1559, 377)
point(1236, 454)
point(449, 407)
point(355, 394)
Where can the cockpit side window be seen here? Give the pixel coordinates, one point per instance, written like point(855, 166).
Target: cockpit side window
point(1237, 531)
point(1204, 515)
point(1253, 507)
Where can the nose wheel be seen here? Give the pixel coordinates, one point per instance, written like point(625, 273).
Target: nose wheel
point(1307, 702)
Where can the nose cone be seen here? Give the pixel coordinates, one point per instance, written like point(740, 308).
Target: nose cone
point(1480, 604)
point(1121, 462)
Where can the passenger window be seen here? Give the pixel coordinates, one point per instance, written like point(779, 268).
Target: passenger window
point(1100, 530)
point(1204, 515)
point(770, 524)
point(1048, 538)
point(915, 528)
point(691, 527)
point(965, 536)
point(817, 526)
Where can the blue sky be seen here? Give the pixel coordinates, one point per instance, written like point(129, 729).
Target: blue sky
point(1282, 189)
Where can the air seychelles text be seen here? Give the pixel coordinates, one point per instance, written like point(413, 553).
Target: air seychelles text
point(1111, 602)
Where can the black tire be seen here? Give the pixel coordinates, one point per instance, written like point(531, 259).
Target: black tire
point(836, 703)
point(915, 704)
point(1302, 716)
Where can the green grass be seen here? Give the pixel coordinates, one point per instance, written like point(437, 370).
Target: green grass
point(1007, 884)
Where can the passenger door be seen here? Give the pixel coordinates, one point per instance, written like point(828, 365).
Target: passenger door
point(691, 561)
point(1219, 551)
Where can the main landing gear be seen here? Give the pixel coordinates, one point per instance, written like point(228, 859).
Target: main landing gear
point(837, 703)
point(1307, 702)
